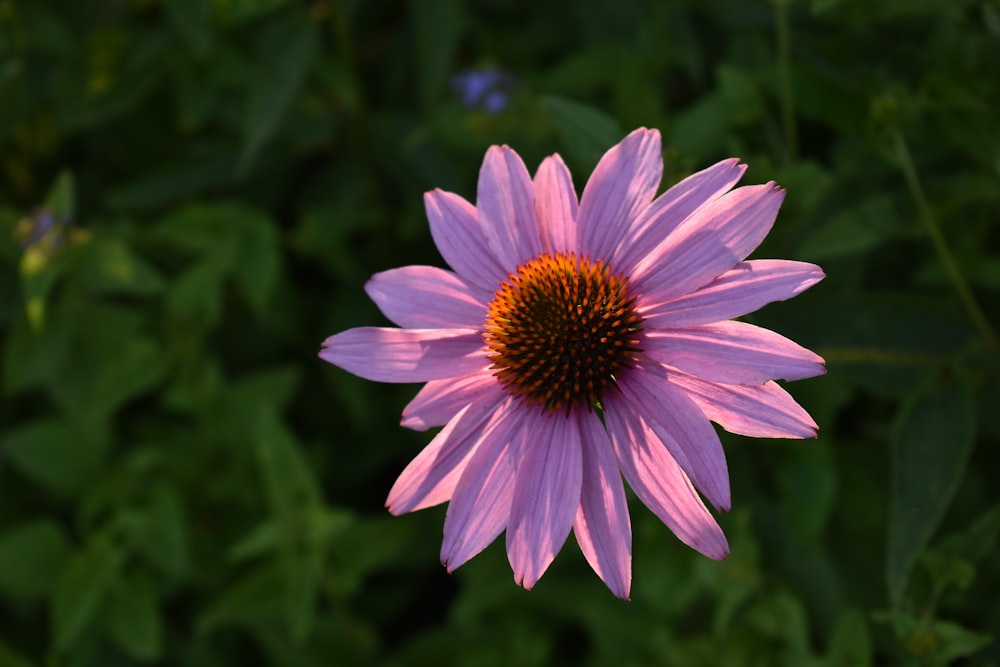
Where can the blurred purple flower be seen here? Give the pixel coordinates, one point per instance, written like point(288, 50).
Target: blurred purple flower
point(488, 89)
point(41, 227)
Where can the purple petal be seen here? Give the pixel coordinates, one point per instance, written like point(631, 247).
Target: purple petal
point(426, 297)
point(709, 242)
point(602, 526)
point(659, 482)
point(505, 199)
point(622, 185)
point(556, 205)
point(741, 290)
point(672, 207)
point(758, 411)
point(430, 478)
point(455, 228)
point(440, 400)
point(406, 355)
point(546, 495)
point(684, 430)
point(480, 505)
point(733, 353)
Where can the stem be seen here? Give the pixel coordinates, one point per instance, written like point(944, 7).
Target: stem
point(947, 259)
point(785, 73)
point(877, 356)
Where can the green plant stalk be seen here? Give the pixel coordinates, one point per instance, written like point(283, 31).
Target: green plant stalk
point(878, 356)
point(785, 74)
point(947, 259)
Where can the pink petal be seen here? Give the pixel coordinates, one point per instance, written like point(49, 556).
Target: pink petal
point(505, 199)
point(602, 526)
point(622, 185)
point(684, 430)
point(430, 478)
point(480, 504)
point(659, 482)
point(710, 241)
point(672, 207)
point(426, 297)
point(556, 205)
point(440, 400)
point(455, 228)
point(733, 353)
point(741, 290)
point(758, 411)
point(406, 355)
point(546, 495)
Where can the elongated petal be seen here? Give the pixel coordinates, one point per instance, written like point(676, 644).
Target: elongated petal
point(556, 205)
point(455, 228)
point(480, 505)
point(659, 482)
point(684, 430)
point(506, 202)
point(709, 242)
point(406, 355)
point(430, 478)
point(602, 525)
point(440, 400)
point(741, 290)
point(759, 411)
point(426, 297)
point(733, 353)
point(622, 185)
point(673, 207)
point(546, 495)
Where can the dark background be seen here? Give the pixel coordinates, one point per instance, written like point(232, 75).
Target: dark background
point(193, 193)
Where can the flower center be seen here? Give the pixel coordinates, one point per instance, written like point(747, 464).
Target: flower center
point(558, 328)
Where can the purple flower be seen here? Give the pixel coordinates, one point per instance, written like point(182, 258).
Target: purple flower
point(579, 342)
point(41, 228)
point(487, 89)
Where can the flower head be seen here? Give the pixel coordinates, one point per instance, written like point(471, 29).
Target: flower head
point(577, 342)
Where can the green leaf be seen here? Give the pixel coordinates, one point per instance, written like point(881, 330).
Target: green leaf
point(255, 597)
point(81, 588)
point(930, 450)
point(208, 229)
point(109, 266)
point(132, 618)
point(978, 540)
point(286, 52)
point(862, 227)
point(108, 361)
point(292, 493)
point(239, 11)
point(933, 642)
point(31, 356)
point(258, 267)
point(53, 455)
point(165, 541)
point(138, 366)
point(196, 293)
point(850, 644)
point(31, 554)
point(587, 132)
point(436, 24)
point(808, 486)
point(9, 658)
point(61, 199)
point(948, 571)
point(192, 19)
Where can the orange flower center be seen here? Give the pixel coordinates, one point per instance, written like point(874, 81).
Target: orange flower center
point(559, 328)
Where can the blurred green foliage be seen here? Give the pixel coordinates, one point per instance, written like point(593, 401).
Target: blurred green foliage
point(193, 194)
